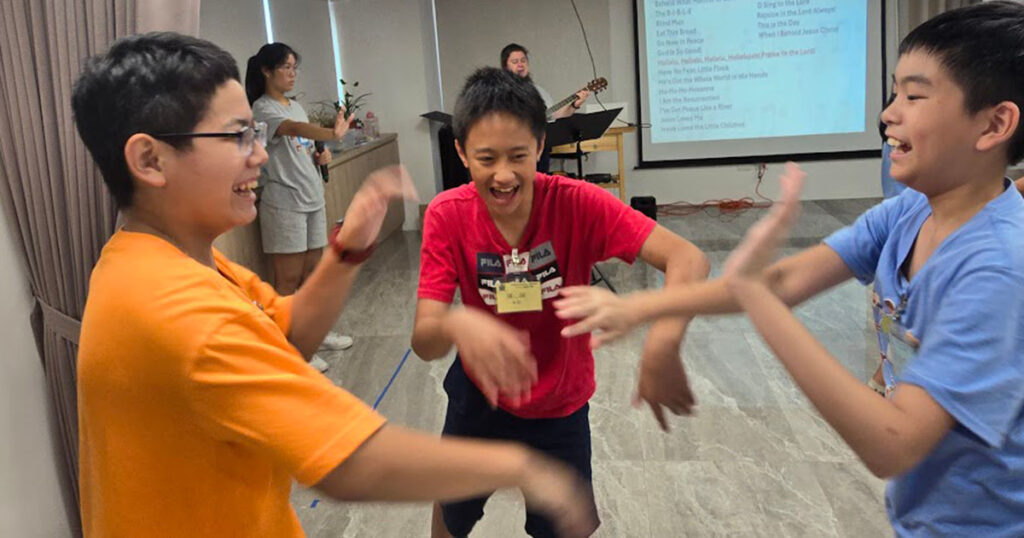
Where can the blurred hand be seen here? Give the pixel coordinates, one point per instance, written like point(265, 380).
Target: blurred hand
point(597, 309)
point(369, 206)
point(554, 489)
point(342, 123)
point(760, 246)
point(581, 97)
point(662, 381)
point(323, 157)
point(495, 355)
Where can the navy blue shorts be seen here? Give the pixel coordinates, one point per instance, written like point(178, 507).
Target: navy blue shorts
point(469, 415)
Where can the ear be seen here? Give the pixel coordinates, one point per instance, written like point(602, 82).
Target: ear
point(462, 154)
point(267, 72)
point(144, 156)
point(1002, 122)
point(540, 146)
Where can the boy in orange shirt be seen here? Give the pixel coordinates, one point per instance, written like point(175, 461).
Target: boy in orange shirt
point(196, 406)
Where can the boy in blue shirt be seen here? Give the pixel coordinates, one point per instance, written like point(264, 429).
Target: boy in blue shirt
point(947, 260)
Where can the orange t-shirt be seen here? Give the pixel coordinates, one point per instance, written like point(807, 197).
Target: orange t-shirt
point(194, 410)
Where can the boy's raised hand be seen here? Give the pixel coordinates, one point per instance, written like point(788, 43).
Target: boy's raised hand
point(662, 382)
point(760, 246)
point(495, 355)
point(597, 309)
point(366, 212)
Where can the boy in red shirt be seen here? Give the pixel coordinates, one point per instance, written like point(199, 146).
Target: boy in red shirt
point(509, 241)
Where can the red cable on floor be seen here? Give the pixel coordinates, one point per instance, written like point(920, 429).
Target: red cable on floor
point(724, 206)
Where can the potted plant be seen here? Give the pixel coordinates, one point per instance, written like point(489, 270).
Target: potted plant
point(325, 113)
point(352, 102)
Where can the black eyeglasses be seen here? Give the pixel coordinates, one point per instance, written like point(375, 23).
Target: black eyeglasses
point(247, 136)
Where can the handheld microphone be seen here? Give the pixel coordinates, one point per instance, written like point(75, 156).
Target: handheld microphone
point(323, 167)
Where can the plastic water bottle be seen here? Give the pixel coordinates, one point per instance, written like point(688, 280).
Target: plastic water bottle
point(372, 126)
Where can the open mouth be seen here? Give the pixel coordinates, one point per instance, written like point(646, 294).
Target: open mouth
point(246, 189)
point(898, 146)
point(504, 194)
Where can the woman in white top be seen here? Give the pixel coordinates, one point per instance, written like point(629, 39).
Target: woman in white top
point(291, 213)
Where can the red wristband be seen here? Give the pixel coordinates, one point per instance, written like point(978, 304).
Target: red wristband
point(348, 255)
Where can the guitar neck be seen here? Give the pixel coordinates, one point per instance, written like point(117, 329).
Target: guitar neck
point(558, 106)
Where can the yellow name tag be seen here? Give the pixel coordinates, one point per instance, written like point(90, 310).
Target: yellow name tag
point(518, 296)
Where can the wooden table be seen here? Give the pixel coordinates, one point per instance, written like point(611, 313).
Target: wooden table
point(610, 141)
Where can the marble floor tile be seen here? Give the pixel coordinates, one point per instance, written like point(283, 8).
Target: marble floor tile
point(855, 497)
point(737, 498)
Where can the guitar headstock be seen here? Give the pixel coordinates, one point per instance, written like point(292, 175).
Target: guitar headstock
point(598, 84)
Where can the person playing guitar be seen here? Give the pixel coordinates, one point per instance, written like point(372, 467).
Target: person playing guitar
point(515, 58)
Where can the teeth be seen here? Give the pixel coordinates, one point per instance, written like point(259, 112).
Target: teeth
point(895, 144)
point(244, 187)
point(509, 189)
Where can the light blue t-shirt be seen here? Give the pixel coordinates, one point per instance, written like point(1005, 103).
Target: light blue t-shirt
point(957, 331)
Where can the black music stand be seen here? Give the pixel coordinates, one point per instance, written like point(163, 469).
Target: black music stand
point(453, 172)
point(580, 128)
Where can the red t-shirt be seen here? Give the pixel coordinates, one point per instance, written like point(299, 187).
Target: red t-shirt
point(573, 224)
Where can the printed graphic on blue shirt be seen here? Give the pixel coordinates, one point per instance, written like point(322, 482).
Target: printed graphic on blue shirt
point(896, 344)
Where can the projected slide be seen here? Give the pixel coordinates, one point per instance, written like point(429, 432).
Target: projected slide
point(743, 69)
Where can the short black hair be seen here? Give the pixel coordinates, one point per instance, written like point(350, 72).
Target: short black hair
point(509, 49)
point(489, 90)
point(154, 83)
point(271, 56)
point(982, 47)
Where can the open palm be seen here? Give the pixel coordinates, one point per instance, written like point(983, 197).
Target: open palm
point(760, 246)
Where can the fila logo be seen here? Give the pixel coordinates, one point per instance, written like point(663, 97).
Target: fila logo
point(489, 264)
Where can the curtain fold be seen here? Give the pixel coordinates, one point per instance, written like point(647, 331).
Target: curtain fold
point(51, 192)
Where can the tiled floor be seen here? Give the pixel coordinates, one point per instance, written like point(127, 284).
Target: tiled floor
point(757, 460)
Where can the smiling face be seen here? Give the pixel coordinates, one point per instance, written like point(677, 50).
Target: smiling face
point(210, 185)
point(501, 154)
point(933, 137)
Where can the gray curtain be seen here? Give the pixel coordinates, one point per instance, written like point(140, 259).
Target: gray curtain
point(914, 12)
point(51, 191)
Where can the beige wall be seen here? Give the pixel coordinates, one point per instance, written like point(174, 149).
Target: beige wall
point(387, 45)
point(473, 32)
point(234, 25)
point(30, 498)
point(304, 25)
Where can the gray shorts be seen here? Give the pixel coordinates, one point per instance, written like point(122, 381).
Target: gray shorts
point(288, 232)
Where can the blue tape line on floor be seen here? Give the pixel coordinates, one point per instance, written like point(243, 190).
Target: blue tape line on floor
point(392, 380)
